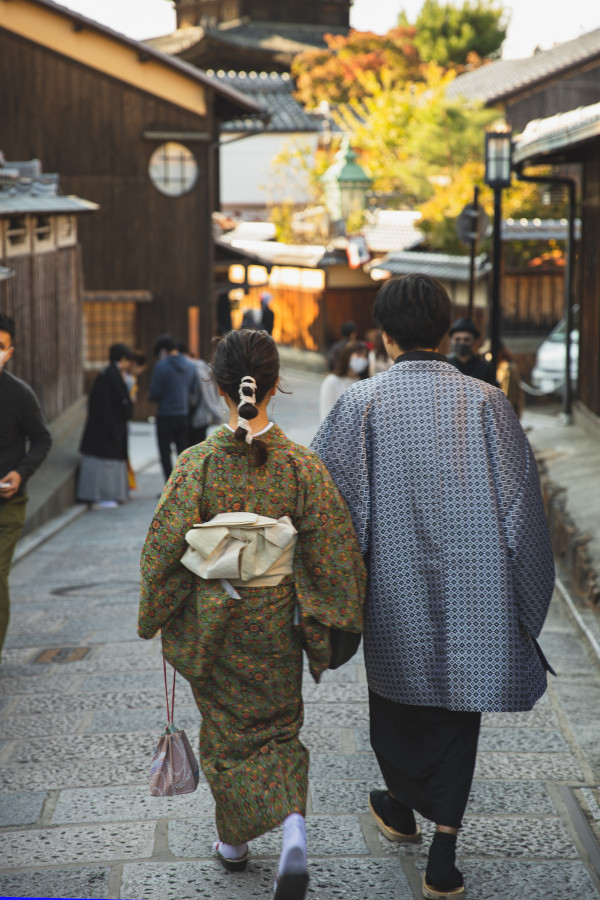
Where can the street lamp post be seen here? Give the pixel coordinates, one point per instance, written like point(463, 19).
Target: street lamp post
point(346, 184)
point(498, 164)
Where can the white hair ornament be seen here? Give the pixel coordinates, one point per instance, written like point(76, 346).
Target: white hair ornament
point(248, 383)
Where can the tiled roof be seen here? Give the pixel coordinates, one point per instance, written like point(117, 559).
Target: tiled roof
point(24, 189)
point(393, 230)
point(276, 37)
point(273, 92)
point(437, 265)
point(500, 79)
point(538, 229)
point(274, 253)
point(542, 137)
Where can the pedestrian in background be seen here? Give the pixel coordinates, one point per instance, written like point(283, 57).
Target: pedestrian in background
point(103, 478)
point(24, 444)
point(268, 316)
point(173, 387)
point(444, 494)
point(348, 332)
point(239, 646)
point(464, 334)
point(207, 408)
point(352, 364)
point(509, 379)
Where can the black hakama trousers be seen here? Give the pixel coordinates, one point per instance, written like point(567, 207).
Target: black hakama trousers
point(426, 755)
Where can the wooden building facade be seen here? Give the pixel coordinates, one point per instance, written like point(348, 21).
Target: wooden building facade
point(137, 133)
point(573, 138)
point(39, 244)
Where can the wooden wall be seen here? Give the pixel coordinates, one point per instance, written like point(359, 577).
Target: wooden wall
point(89, 128)
point(532, 300)
point(564, 94)
point(589, 305)
point(43, 299)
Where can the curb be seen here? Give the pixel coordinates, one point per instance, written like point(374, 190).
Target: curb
point(42, 534)
point(590, 639)
point(30, 542)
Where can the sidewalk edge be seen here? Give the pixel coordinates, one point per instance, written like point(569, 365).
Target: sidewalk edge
point(578, 619)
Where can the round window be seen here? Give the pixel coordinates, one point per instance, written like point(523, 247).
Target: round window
point(173, 169)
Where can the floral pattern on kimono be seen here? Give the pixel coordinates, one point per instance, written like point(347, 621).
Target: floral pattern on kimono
point(243, 658)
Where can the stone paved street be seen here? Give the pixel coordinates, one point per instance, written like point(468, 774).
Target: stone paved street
point(77, 821)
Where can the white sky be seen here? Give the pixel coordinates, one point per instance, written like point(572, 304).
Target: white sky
point(533, 22)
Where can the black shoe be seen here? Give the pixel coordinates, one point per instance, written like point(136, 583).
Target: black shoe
point(395, 821)
point(442, 879)
point(232, 865)
point(291, 886)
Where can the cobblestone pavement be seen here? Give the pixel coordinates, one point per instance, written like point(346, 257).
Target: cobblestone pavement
point(78, 727)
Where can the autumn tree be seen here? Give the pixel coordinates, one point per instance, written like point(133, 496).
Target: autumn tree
point(452, 35)
point(413, 138)
point(333, 75)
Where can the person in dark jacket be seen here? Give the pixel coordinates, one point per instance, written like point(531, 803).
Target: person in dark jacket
point(173, 387)
point(21, 422)
point(103, 479)
point(464, 334)
point(268, 316)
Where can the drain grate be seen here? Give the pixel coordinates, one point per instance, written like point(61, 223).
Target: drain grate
point(62, 654)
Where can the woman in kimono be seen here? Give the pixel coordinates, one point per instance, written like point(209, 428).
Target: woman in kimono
point(243, 657)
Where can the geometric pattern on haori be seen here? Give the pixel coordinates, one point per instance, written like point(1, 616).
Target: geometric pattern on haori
point(445, 498)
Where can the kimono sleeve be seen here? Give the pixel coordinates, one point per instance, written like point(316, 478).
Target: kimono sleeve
point(524, 520)
point(343, 445)
point(329, 570)
point(165, 583)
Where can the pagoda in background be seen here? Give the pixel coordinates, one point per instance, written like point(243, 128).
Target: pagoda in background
point(252, 35)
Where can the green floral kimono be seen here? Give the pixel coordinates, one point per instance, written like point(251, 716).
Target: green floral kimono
point(243, 658)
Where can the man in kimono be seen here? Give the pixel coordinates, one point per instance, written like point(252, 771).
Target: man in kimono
point(444, 494)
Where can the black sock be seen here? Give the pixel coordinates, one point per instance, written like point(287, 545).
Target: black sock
point(441, 872)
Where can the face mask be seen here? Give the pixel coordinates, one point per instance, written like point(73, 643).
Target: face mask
point(3, 357)
point(358, 364)
point(462, 350)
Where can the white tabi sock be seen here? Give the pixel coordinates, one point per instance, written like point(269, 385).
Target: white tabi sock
point(293, 852)
point(230, 851)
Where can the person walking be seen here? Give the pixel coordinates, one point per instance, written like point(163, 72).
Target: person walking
point(348, 332)
point(240, 647)
point(444, 493)
point(173, 387)
point(24, 444)
point(268, 316)
point(352, 364)
point(464, 333)
point(103, 479)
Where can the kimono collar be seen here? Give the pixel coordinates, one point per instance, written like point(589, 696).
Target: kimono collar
point(429, 355)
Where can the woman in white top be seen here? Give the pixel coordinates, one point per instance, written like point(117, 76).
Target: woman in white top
point(352, 364)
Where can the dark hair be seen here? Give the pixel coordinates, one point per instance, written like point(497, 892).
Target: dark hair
point(164, 342)
point(341, 367)
point(347, 329)
point(247, 352)
point(7, 324)
point(414, 310)
point(117, 352)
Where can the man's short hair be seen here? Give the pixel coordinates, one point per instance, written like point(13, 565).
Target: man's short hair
point(348, 329)
point(414, 310)
point(117, 352)
point(165, 342)
point(7, 324)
